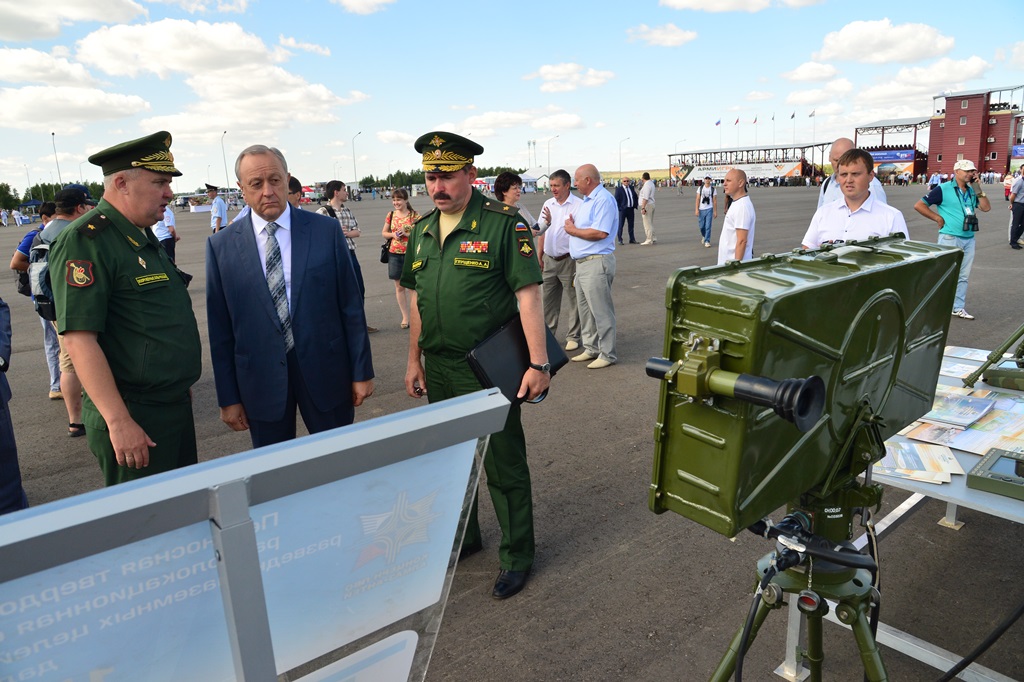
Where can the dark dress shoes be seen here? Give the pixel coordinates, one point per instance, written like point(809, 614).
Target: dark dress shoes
point(470, 549)
point(509, 583)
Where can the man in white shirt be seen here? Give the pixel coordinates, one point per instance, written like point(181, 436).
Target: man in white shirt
point(858, 215)
point(647, 209)
point(737, 242)
point(830, 191)
point(559, 268)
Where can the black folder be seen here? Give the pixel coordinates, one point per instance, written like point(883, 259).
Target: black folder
point(502, 359)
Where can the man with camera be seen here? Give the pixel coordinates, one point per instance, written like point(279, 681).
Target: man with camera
point(956, 204)
point(706, 209)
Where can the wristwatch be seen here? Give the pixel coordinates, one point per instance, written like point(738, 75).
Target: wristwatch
point(981, 195)
point(546, 367)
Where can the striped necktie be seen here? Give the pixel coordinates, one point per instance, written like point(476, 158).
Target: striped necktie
point(275, 282)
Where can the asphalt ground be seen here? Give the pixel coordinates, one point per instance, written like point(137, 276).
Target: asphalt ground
point(617, 592)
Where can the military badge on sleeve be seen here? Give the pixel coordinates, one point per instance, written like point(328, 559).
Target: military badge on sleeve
point(525, 248)
point(79, 273)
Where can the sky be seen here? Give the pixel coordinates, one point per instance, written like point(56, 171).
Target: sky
point(344, 87)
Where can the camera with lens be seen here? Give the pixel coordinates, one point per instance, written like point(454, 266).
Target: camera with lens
point(970, 223)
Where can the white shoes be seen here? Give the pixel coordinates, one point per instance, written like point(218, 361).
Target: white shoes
point(600, 363)
point(646, 243)
point(961, 313)
point(583, 357)
point(571, 345)
point(707, 245)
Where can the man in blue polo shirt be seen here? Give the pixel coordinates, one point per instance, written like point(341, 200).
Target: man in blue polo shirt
point(956, 205)
point(218, 209)
point(592, 232)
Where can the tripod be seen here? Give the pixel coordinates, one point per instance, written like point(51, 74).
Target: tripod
point(815, 569)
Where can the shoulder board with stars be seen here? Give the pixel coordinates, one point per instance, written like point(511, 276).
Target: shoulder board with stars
point(94, 225)
point(499, 207)
point(426, 215)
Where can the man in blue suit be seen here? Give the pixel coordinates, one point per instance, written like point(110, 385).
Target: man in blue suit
point(627, 200)
point(285, 313)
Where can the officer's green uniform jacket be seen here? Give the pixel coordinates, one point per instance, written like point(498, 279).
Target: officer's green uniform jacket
point(110, 277)
point(466, 289)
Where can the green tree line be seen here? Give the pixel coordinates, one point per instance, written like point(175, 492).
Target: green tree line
point(11, 198)
point(402, 178)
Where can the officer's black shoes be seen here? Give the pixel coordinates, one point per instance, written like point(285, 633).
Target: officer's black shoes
point(509, 583)
point(76, 430)
point(470, 549)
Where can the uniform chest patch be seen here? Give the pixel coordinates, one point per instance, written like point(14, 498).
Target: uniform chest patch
point(417, 265)
point(526, 248)
point(521, 227)
point(143, 280)
point(473, 263)
point(473, 247)
point(79, 273)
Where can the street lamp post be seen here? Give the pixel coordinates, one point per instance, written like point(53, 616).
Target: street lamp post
point(227, 178)
point(80, 178)
point(354, 173)
point(53, 139)
point(335, 171)
point(389, 171)
point(620, 156)
point(677, 143)
point(29, 181)
point(549, 158)
point(207, 172)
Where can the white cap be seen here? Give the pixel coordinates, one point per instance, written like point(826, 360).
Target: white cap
point(964, 165)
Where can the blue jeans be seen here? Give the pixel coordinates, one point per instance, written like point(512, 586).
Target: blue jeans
point(967, 246)
point(51, 348)
point(704, 221)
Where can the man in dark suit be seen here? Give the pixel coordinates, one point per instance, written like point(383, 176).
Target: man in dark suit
point(12, 495)
point(626, 198)
point(285, 314)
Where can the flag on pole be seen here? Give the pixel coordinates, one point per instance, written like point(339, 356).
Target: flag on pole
point(755, 120)
point(811, 115)
point(718, 122)
point(773, 115)
point(793, 115)
point(737, 121)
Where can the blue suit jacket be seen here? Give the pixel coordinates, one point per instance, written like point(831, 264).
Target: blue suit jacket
point(246, 337)
point(620, 197)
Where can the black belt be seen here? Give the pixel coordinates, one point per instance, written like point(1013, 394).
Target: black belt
point(558, 258)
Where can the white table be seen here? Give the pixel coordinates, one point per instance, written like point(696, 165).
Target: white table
point(955, 494)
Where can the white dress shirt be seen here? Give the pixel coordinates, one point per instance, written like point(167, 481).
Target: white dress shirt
point(834, 221)
point(284, 241)
point(556, 239)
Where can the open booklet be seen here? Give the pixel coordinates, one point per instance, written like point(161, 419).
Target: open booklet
point(919, 462)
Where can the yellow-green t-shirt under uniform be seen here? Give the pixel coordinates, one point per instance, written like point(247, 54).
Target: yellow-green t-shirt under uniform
point(113, 278)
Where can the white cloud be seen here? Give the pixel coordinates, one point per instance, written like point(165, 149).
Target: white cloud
point(600, 124)
point(307, 47)
point(1017, 55)
point(203, 6)
point(880, 42)
point(758, 95)
point(363, 6)
point(558, 122)
point(484, 125)
point(24, 21)
point(921, 83)
point(32, 66)
point(463, 107)
point(395, 137)
point(811, 71)
point(67, 109)
point(186, 47)
point(568, 76)
point(219, 61)
point(831, 91)
point(668, 35)
point(717, 5)
point(801, 3)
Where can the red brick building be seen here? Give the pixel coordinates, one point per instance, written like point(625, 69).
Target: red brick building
point(983, 126)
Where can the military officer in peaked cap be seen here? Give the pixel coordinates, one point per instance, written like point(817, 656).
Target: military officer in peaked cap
point(126, 317)
point(471, 264)
point(218, 209)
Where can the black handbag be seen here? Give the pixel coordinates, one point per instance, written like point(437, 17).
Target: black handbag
point(385, 248)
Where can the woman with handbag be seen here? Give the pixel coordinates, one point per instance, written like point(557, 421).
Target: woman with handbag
point(396, 230)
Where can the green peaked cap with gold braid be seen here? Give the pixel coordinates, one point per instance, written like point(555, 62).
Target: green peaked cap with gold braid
point(446, 152)
point(152, 152)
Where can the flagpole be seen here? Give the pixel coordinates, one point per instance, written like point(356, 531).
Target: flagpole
point(755, 131)
point(794, 127)
point(773, 129)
